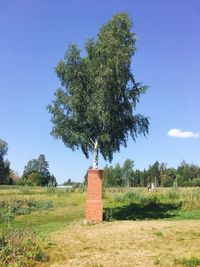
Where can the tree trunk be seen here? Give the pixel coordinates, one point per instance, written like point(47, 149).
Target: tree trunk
point(96, 155)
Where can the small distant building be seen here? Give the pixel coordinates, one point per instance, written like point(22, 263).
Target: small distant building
point(65, 186)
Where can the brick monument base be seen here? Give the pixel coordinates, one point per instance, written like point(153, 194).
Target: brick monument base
point(94, 203)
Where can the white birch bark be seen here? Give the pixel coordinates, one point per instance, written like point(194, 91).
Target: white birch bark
point(96, 155)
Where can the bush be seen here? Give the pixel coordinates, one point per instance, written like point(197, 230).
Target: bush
point(21, 248)
point(195, 182)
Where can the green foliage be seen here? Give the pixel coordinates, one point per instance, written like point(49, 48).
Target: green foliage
point(158, 173)
point(127, 172)
point(3, 148)
point(72, 184)
point(36, 173)
point(195, 182)
point(119, 176)
point(94, 107)
point(4, 164)
point(154, 173)
point(21, 248)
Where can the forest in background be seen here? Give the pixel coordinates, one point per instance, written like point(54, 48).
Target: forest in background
point(36, 173)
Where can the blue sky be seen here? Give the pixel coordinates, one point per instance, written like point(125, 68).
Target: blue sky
point(34, 36)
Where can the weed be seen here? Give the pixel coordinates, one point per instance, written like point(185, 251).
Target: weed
point(133, 196)
point(158, 233)
point(50, 190)
point(45, 205)
point(191, 200)
point(21, 248)
point(157, 261)
point(24, 190)
point(189, 262)
point(173, 193)
point(107, 215)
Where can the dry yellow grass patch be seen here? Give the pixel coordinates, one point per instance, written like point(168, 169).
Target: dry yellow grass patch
point(127, 243)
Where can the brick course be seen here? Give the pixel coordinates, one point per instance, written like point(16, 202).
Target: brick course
point(94, 204)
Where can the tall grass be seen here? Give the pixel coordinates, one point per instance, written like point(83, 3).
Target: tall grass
point(187, 198)
point(22, 248)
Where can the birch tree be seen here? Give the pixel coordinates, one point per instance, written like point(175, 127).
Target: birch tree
point(93, 110)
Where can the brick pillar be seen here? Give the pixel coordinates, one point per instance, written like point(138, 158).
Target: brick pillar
point(94, 204)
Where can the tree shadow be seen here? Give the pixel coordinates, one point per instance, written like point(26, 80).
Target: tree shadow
point(135, 211)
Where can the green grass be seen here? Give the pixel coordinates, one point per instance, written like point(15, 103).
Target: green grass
point(47, 210)
point(41, 210)
point(188, 262)
point(138, 204)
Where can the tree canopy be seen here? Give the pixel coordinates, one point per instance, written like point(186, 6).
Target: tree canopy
point(94, 108)
point(36, 172)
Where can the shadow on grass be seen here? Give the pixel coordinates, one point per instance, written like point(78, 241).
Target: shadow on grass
point(141, 212)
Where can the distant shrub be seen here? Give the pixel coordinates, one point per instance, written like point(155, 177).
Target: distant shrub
point(10, 209)
point(195, 182)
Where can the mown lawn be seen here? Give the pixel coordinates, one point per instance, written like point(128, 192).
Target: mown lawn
point(140, 228)
point(127, 243)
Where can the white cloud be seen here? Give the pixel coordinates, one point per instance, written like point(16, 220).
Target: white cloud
point(179, 133)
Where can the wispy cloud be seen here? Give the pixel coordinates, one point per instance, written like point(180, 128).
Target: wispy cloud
point(180, 134)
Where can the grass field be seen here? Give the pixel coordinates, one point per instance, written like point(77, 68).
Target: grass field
point(140, 228)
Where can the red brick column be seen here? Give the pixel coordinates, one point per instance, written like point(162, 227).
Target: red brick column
point(94, 204)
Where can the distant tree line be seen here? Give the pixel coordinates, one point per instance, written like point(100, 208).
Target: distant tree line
point(36, 172)
point(72, 183)
point(126, 175)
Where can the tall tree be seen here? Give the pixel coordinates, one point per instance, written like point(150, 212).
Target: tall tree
point(4, 164)
point(36, 172)
point(154, 174)
point(93, 109)
point(118, 178)
point(127, 171)
point(3, 148)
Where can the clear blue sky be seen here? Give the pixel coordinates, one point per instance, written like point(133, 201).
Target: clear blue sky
point(34, 36)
